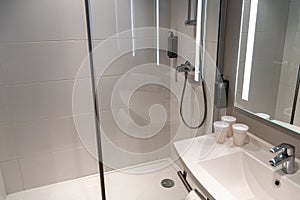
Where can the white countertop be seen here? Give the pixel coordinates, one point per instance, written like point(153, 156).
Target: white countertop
point(196, 150)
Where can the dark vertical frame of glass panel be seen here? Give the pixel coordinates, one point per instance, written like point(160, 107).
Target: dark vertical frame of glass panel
point(95, 96)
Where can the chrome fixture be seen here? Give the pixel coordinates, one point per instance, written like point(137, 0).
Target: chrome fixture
point(186, 68)
point(189, 21)
point(286, 158)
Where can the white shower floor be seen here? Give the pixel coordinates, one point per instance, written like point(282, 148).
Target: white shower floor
point(119, 186)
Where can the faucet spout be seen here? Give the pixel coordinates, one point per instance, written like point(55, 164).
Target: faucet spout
point(279, 159)
point(286, 157)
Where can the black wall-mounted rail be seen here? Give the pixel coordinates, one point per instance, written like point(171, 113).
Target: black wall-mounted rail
point(183, 178)
point(295, 97)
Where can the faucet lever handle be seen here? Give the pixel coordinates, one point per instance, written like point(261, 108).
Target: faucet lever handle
point(284, 147)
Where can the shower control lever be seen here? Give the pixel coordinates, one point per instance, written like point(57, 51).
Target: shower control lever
point(185, 67)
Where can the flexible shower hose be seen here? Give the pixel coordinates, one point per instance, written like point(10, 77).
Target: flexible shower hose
point(204, 99)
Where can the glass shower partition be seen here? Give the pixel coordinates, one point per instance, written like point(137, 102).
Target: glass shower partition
point(141, 103)
point(89, 100)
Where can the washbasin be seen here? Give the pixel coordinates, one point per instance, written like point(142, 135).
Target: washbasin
point(246, 177)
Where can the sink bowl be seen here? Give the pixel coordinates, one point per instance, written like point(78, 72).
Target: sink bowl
point(245, 177)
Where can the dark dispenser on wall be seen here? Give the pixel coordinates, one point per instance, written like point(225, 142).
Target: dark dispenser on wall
point(221, 92)
point(172, 46)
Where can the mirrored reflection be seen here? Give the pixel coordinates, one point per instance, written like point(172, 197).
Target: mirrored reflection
point(268, 64)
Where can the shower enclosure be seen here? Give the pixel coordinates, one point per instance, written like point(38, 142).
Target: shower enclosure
point(89, 104)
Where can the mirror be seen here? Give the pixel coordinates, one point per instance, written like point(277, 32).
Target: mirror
point(267, 82)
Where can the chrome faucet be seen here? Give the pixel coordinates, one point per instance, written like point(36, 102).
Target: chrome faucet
point(186, 68)
point(286, 158)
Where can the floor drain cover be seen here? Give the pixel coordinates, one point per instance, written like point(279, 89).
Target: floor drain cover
point(167, 183)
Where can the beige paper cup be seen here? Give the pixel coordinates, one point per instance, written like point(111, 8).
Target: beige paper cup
point(221, 131)
point(239, 134)
point(230, 120)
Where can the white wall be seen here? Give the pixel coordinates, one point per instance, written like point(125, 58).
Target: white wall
point(43, 43)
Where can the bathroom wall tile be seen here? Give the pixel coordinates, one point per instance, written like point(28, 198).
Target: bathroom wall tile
point(110, 129)
point(73, 163)
point(86, 163)
point(212, 20)
point(44, 136)
point(293, 18)
point(118, 14)
point(117, 142)
point(290, 47)
point(269, 45)
point(45, 100)
point(115, 57)
point(272, 15)
point(106, 86)
point(38, 170)
point(106, 10)
point(42, 20)
point(258, 101)
point(178, 17)
point(286, 95)
point(2, 188)
point(86, 130)
point(54, 167)
point(12, 176)
point(4, 111)
point(50, 60)
point(210, 65)
point(7, 143)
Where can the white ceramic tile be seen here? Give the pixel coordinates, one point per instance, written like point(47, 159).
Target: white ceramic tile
point(118, 15)
point(42, 20)
point(45, 100)
point(7, 143)
point(122, 150)
point(212, 23)
point(272, 15)
point(55, 167)
point(43, 136)
point(106, 86)
point(39, 170)
point(4, 111)
point(210, 65)
point(269, 45)
point(12, 176)
point(265, 80)
point(285, 95)
point(178, 16)
point(115, 57)
point(85, 127)
point(85, 163)
point(73, 163)
point(46, 61)
point(293, 19)
point(2, 188)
